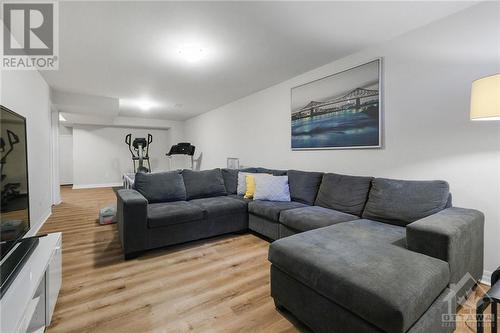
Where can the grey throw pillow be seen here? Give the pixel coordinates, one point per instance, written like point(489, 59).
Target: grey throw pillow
point(161, 186)
point(401, 202)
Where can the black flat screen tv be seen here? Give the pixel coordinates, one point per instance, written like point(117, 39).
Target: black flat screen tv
point(14, 207)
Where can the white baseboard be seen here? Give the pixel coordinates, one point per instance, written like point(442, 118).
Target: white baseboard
point(83, 186)
point(45, 217)
point(486, 279)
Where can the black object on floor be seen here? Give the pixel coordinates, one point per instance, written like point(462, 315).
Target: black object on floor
point(492, 297)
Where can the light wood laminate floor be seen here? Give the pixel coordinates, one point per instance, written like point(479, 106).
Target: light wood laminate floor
point(216, 285)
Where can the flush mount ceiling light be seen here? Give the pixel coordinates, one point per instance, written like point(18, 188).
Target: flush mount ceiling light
point(191, 49)
point(191, 53)
point(144, 104)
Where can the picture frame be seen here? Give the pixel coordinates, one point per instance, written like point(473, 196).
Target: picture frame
point(339, 111)
point(233, 163)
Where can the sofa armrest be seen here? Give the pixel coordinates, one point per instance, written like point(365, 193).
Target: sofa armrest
point(454, 235)
point(132, 221)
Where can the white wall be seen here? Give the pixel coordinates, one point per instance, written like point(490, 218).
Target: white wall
point(100, 155)
point(65, 159)
point(65, 154)
point(65, 130)
point(26, 93)
point(427, 78)
point(54, 149)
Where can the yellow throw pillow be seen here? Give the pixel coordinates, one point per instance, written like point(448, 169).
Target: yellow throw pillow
point(250, 180)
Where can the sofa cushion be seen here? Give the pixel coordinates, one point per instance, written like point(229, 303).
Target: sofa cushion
point(204, 184)
point(304, 185)
point(219, 206)
point(385, 284)
point(271, 209)
point(401, 202)
point(379, 231)
point(230, 177)
point(169, 213)
point(313, 217)
point(347, 194)
point(161, 186)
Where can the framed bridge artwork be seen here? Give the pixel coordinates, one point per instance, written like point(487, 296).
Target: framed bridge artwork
point(340, 111)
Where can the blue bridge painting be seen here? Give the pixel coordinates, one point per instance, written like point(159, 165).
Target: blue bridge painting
point(348, 120)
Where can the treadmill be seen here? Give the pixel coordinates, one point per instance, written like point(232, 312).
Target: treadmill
point(182, 148)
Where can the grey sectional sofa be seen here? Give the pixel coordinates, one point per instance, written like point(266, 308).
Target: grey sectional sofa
point(351, 254)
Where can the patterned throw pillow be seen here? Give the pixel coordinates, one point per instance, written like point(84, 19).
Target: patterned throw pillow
point(271, 188)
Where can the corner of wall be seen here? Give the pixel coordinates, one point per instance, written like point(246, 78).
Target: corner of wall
point(35, 228)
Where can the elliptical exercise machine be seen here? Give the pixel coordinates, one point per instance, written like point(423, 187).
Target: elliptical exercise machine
point(140, 152)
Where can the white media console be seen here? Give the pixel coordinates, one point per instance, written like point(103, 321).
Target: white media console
point(29, 302)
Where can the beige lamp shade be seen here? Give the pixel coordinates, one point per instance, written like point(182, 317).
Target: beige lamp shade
point(485, 98)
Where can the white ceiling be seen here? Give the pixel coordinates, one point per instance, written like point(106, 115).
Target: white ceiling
point(128, 49)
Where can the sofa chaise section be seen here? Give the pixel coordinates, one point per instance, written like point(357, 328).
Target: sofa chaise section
point(433, 227)
point(392, 270)
point(387, 285)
